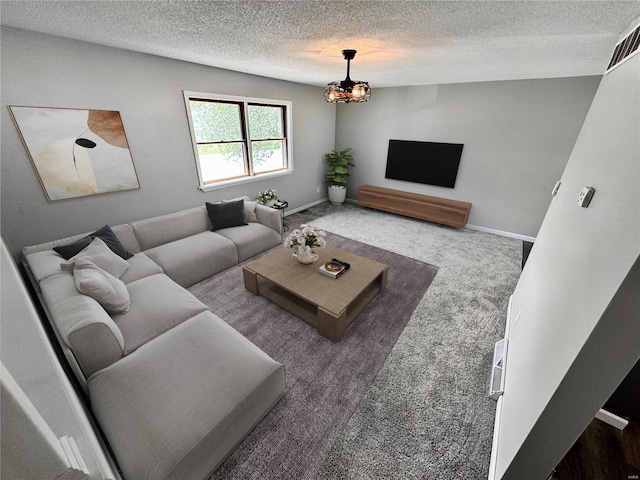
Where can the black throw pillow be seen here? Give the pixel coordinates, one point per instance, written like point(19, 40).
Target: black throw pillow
point(226, 214)
point(105, 234)
point(71, 250)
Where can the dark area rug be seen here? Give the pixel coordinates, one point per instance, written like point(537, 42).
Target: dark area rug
point(325, 380)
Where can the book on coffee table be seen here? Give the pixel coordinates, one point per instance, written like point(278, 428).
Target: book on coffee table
point(334, 268)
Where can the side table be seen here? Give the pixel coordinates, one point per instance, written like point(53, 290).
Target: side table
point(281, 205)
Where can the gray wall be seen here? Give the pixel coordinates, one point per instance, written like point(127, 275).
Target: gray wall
point(517, 138)
point(40, 70)
point(578, 299)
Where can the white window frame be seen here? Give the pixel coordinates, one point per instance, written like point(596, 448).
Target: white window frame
point(251, 177)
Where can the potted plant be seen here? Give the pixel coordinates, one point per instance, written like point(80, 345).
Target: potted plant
point(268, 197)
point(337, 174)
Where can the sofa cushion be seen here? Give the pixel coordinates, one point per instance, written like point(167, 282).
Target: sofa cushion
point(46, 263)
point(140, 266)
point(123, 232)
point(168, 228)
point(103, 287)
point(127, 238)
point(251, 239)
point(157, 304)
point(177, 406)
point(195, 258)
point(43, 264)
point(101, 255)
point(82, 324)
point(106, 234)
point(226, 214)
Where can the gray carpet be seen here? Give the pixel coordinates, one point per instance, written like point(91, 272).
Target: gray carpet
point(427, 414)
point(325, 381)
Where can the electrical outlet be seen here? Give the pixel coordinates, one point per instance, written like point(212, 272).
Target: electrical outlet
point(318, 190)
point(585, 196)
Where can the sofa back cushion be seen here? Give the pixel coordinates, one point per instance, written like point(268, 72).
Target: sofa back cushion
point(123, 232)
point(169, 228)
point(127, 237)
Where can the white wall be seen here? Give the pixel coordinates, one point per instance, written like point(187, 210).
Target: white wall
point(517, 138)
point(25, 351)
point(41, 70)
point(579, 295)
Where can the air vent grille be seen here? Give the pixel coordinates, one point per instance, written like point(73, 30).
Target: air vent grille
point(625, 48)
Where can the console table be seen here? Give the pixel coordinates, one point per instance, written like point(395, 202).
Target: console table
point(424, 207)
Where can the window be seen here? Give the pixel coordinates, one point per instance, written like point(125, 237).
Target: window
point(238, 139)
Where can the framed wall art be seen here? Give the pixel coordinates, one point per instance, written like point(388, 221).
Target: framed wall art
point(76, 153)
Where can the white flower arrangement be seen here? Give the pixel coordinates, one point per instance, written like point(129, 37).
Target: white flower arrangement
point(267, 196)
point(306, 238)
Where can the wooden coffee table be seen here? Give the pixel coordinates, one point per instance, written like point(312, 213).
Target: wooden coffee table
point(328, 304)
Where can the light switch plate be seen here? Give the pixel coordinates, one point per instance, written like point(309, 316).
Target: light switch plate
point(556, 190)
point(585, 196)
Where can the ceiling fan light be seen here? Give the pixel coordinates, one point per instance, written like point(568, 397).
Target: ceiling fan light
point(335, 92)
point(347, 90)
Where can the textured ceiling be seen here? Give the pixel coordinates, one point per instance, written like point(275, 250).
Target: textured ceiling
point(398, 42)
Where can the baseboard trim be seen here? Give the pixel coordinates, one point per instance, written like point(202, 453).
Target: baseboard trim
point(502, 233)
point(74, 458)
point(304, 207)
point(495, 441)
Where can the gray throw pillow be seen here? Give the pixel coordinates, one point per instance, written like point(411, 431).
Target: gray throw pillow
point(107, 290)
point(226, 214)
point(99, 254)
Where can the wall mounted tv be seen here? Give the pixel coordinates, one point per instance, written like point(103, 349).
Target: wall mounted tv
point(431, 163)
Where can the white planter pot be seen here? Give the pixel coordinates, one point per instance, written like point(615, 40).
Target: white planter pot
point(337, 194)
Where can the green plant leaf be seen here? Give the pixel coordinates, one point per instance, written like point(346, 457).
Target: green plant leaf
point(337, 163)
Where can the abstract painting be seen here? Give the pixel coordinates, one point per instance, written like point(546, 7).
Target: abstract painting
point(75, 152)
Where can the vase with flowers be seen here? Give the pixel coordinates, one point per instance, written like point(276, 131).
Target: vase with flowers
point(268, 197)
point(303, 240)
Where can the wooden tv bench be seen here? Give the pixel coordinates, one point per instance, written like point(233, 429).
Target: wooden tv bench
point(433, 209)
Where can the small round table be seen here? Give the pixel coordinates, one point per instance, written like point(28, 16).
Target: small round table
point(281, 205)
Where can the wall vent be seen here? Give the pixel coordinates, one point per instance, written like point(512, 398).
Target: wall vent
point(627, 47)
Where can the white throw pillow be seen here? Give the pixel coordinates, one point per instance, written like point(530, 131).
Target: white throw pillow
point(107, 290)
point(250, 210)
point(102, 256)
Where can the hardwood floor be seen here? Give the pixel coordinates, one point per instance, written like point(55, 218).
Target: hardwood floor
point(603, 453)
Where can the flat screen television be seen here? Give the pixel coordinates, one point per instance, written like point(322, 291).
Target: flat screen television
point(431, 163)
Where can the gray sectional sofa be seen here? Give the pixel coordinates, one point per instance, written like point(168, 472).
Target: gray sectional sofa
point(173, 387)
